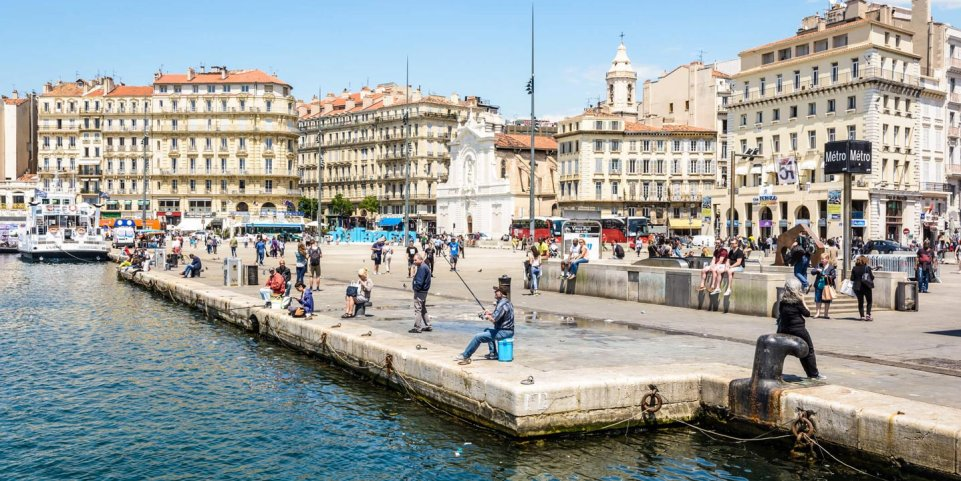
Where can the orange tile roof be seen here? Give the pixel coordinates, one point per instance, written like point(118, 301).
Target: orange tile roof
point(523, 141)
point(131, 91)
point(10, 101)
point(95, 92)
point(64, 90)
point(719, 74)
point(233, 76)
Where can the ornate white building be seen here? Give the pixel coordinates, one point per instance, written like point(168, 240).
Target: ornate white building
point(488, 179)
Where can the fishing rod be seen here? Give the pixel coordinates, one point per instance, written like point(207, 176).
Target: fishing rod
point(479, 303)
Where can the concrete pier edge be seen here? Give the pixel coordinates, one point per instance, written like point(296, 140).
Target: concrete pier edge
point(924, 436)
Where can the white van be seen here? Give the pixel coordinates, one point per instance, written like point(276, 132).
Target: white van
point(124, 236)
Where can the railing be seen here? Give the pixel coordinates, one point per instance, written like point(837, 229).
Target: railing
point(824, 80)
point(954, 169)
point(935, 187)
point(954, 131)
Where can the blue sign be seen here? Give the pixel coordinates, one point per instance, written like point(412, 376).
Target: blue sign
point(859, 223)
point(123, 223)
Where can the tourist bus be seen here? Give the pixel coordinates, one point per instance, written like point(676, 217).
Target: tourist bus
point(613, 230)
point(285, 230)
point(638, 226)
point(544, 227)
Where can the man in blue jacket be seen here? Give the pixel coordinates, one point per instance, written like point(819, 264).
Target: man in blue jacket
point(421, 285)
point(193, 269)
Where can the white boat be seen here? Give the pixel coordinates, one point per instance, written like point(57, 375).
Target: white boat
point(59, 228)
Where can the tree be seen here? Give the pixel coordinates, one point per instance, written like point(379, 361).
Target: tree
point(341, 207)
point(308, 207)
point(371, 204)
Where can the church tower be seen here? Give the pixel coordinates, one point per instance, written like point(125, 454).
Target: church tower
point(622, 84)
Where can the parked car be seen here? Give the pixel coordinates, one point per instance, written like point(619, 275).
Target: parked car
point(884, 247)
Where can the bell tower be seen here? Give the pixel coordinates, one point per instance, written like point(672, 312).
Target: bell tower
point(622, 83)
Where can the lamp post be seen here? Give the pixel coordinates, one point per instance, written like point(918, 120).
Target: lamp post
point(320, 165)
point(407, 157)
point(146, 172)
point(749, 154)
point(533, 163)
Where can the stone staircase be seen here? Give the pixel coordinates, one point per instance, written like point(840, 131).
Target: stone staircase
point(842, 306)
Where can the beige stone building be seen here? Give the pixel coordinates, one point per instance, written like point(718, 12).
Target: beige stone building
point(853, 73)
point(18, 136)
point(223, 146)
point(952, 119)
point(58, 131)
point(362, 144)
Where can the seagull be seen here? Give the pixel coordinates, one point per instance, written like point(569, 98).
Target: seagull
point(480, 270)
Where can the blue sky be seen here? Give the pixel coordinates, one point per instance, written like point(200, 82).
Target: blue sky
point(472, 48)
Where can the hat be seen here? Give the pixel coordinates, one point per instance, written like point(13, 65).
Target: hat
point(500, 289)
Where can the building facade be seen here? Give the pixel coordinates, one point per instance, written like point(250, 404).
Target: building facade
point(488, 181)
point(851, 74)
point(952, 119)
point(18, 136)
point(362, 142)
point(223, 146)
point(58, 131)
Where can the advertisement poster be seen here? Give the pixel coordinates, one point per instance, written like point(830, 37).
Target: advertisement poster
point(834, 204)
point(787, 171)
point(706, 212)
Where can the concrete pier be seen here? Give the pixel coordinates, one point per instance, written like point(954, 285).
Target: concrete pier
point(586, 376)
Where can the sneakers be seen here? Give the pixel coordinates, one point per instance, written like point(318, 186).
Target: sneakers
point(427, 329)
point(490, 357)
point(727, 293)
point(819, 377)
point(414, 331)
point(716, 291)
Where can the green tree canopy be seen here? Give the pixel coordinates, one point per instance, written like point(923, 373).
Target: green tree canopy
point(371, 204)
point(340, 206)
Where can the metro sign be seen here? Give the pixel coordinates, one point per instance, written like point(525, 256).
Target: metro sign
point(847, 157)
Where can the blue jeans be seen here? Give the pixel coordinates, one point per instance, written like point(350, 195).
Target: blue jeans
point(490, 336)
point(801, 271)
point(535, 274)
point(573, 269)
point(922, 280)
point(189, 271)
point(260, 257)
point(233, 252)
point(301, 270)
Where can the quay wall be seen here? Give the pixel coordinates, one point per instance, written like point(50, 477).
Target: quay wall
point(491, 394)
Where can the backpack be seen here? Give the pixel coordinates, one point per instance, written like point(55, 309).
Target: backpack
point(618, 251)
point(314, 256)
point(806, 244)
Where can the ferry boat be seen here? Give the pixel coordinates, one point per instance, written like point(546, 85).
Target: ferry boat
point(59, 228)
point(9, 238)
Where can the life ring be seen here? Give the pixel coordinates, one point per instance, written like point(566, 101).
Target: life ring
point(72, 208)
point(53, 229)
point(81, 231)
point(49, 208)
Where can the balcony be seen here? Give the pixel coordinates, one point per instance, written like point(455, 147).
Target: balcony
point(935, 187)
point(953, 170)
point(954, 98)
point(954, 131)
point(825, 82)
point(955, 64)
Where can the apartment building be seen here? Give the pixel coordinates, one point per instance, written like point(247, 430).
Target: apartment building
point(851, 74)
point(18, 136)
point(223, 146)
point(952, 119)
point(362, 142)
point(59, 136)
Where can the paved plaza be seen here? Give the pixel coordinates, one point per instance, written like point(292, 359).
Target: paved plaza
point(914, 355)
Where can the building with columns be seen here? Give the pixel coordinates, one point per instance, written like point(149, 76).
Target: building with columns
point(362, 141)
point(952, 120)
point(488, 180)
point(853, 73)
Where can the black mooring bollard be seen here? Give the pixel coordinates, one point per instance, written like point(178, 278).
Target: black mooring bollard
point(759, 397)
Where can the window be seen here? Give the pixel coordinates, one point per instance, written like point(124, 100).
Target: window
point(776, 143)
point(814, 75)
point(598, 125)
point(776, 115)
point(832, 134)
point(759, 143)
point(834, 72)
point(632, 166)
point(743, 119)
point(812, 139)
point(677, 146)
point(797, 80)
point(793, 112)
point(670, 108)
point(599, 165)
point(784, 54)
point(646, 166)
point(802, 50)
point(832, 105)
point(820, 45)
point(897, 41)
point(597, 190)
point(839, 41)
point(812, 108)
point(615, 146)
point(767, 58)
point(763, 85)
point(855, 70)
point(747, 88)
point(793, 140)
point(615, 166)
point(675, 166)
point(852, 132)
point(614, 187)
point(759, 117)
point(245, 88)
point(852, 103)
point(660, 166)
point(779, 83)
point(598, 146)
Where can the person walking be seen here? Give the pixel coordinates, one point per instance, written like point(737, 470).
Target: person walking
point(314, 254)
point(801, 261)
point(388, 253)
point(454, 250)
point(377, 251)
point(261, 248)
point(233, 246)
point(429, 251)
point(924, 263)
point(300, 261)
point(825, 275)
point(411, 252)
point(503, 320)
point(863, 278)
point(791, 313)
point(420, 286)
point(534, 258)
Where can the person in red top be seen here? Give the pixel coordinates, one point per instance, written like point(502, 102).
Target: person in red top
point(276, 285)
point(717, 266)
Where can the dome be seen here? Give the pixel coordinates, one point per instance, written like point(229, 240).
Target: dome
point(621, 62)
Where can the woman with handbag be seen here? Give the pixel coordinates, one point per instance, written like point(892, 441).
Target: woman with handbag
point(790, 320)
point(863, 278)
point(358, 293)
point(825, 274)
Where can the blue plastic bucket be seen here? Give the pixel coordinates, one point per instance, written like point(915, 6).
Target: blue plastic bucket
point(505, 350)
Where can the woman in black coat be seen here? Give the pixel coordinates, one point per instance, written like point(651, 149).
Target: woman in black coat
point(863, 278)
point(791, 313)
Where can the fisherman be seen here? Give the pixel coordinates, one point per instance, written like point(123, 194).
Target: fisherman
point(503, 320)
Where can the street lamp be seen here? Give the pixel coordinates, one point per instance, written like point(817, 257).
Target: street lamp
point(749, 154)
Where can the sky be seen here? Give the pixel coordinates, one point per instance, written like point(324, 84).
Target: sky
point(469, 48)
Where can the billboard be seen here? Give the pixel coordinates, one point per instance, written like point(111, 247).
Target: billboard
point(847, 156)
point(787, 171)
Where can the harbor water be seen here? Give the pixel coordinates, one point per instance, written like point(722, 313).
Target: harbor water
point(102, 380)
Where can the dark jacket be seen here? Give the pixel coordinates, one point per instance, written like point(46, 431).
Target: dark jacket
point(195, 264)
point(284, 271)
point(421, 281)
point(858, 273)
point(792, 315)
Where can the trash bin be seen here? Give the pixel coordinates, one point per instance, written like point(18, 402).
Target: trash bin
point(252, 279)
point(504, 282)
point(906, 296)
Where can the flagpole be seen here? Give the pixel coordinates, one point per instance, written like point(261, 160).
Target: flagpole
point(533, 162)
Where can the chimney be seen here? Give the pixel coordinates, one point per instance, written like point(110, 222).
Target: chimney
point(190, 73)
point(15, 95)
point(108, 85)
point(223, 72)
point(454, 98)
point(157, 75)
point(47, 87)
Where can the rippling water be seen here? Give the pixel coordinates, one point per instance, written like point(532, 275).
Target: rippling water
point(101, 380)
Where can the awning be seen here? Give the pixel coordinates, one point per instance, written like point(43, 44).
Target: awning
point(741, 170)
point(755, 169)
point(390, 221)
point(769, 168)
point(685, 224)
point(189, 224)
point(808, 165)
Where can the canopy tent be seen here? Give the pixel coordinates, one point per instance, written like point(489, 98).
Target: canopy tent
point(188, 224)
point(312, 223)
point(390, 221)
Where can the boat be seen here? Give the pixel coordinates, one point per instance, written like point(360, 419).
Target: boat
point(9, 238)
point(58, 228)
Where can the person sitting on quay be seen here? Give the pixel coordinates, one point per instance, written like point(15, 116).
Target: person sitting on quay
point(735, 260)
point(193, 269)
point(503, 320)
point(578, 257)
point(306, 301)
point(719, 258)
point(276, 286)
point(361, 294)
point(283, 270)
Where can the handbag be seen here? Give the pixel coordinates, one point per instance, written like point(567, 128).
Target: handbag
point(828, 294)
point(867, 280)
point(352, 291)
point(847, 288)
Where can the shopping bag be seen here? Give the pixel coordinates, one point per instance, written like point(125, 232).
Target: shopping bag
point(847, 288)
